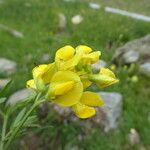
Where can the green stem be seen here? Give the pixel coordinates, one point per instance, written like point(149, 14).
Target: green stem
point(17, 129)
point(3, 132)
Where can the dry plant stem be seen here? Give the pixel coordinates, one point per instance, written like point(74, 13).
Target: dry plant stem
point(15, 132)
point(3, 132)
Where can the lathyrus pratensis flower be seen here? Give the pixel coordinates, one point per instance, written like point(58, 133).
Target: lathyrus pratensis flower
point(67, 78)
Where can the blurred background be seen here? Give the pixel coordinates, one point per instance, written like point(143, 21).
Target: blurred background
point(30, 33)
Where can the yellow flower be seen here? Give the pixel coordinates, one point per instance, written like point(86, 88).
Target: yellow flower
point(83, 49)
point(64, 80)
point(30, 84)
point(85, 108)
point(66, 59)
point(65, 53)
point(66, 88)
point(105, 78)
point(42, 75)
point(88, 57)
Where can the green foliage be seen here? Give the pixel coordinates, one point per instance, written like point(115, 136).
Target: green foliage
point(102, 31)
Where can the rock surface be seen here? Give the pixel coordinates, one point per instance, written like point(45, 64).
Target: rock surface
point(109, 114)
point(3, 82)
point(13, 32)
point(45, 58)
point(94, 5)
point(7, 66)
point(133, 137)
point(62, 21)
point(131, 57)
point(99, 65)
point(134, 50)
point(77, 19)
point(145, 68)
point(20, 96)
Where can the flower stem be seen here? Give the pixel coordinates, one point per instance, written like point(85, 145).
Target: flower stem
point(3, 132)
point(17, 129)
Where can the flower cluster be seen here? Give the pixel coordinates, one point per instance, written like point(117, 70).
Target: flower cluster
point(67, 78)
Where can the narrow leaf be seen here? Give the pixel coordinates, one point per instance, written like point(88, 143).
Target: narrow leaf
point(2, 100)
point(3, 91)
point(31, 120)
point(18, 118)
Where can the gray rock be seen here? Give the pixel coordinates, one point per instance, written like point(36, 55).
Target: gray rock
point(7, 66)
point(94, 5)
point(13, 32)
point(140, 46)
point(133, 137)
point(131, 57)
point(62, 21)
point(45, 58)
point(100, 64)
point(20, 95)
point(109, 114)
point(3, 82)
point(62, 111)
point(145, 68)
point(77, 19)
point(69, 0)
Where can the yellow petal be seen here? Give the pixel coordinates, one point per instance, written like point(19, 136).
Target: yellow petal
point(94, 56)
point(83, 111)
point(91, 58)
point(108, 72)
point(31, 84)
point(49, 72)
point(105, 78)
point(83, 48)
point(72, 96)
point(86, 83)
point(91, 99)
point(39, 70)
point(71, 63)
point(61, 88)
point(65, 52)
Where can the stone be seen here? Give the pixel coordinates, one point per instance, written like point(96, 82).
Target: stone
point(100, 64)
point(109, 115)
point(94, 5)
point(45, 58)
point(7, 66)
point(69, 0)
point(62, 111)
point(62, 21)
point(77, 19)
point(131, 57)
point(145, 68)
point(138, 47)
point(3, 82)
point(133, 137)
point(30, 141)
point(13, 32)
point(20, 95)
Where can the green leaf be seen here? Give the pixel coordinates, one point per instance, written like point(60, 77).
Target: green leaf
point(18, 105)
point(2, 100)
point(18, 118)
point(3, 91)
point(30, 121)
